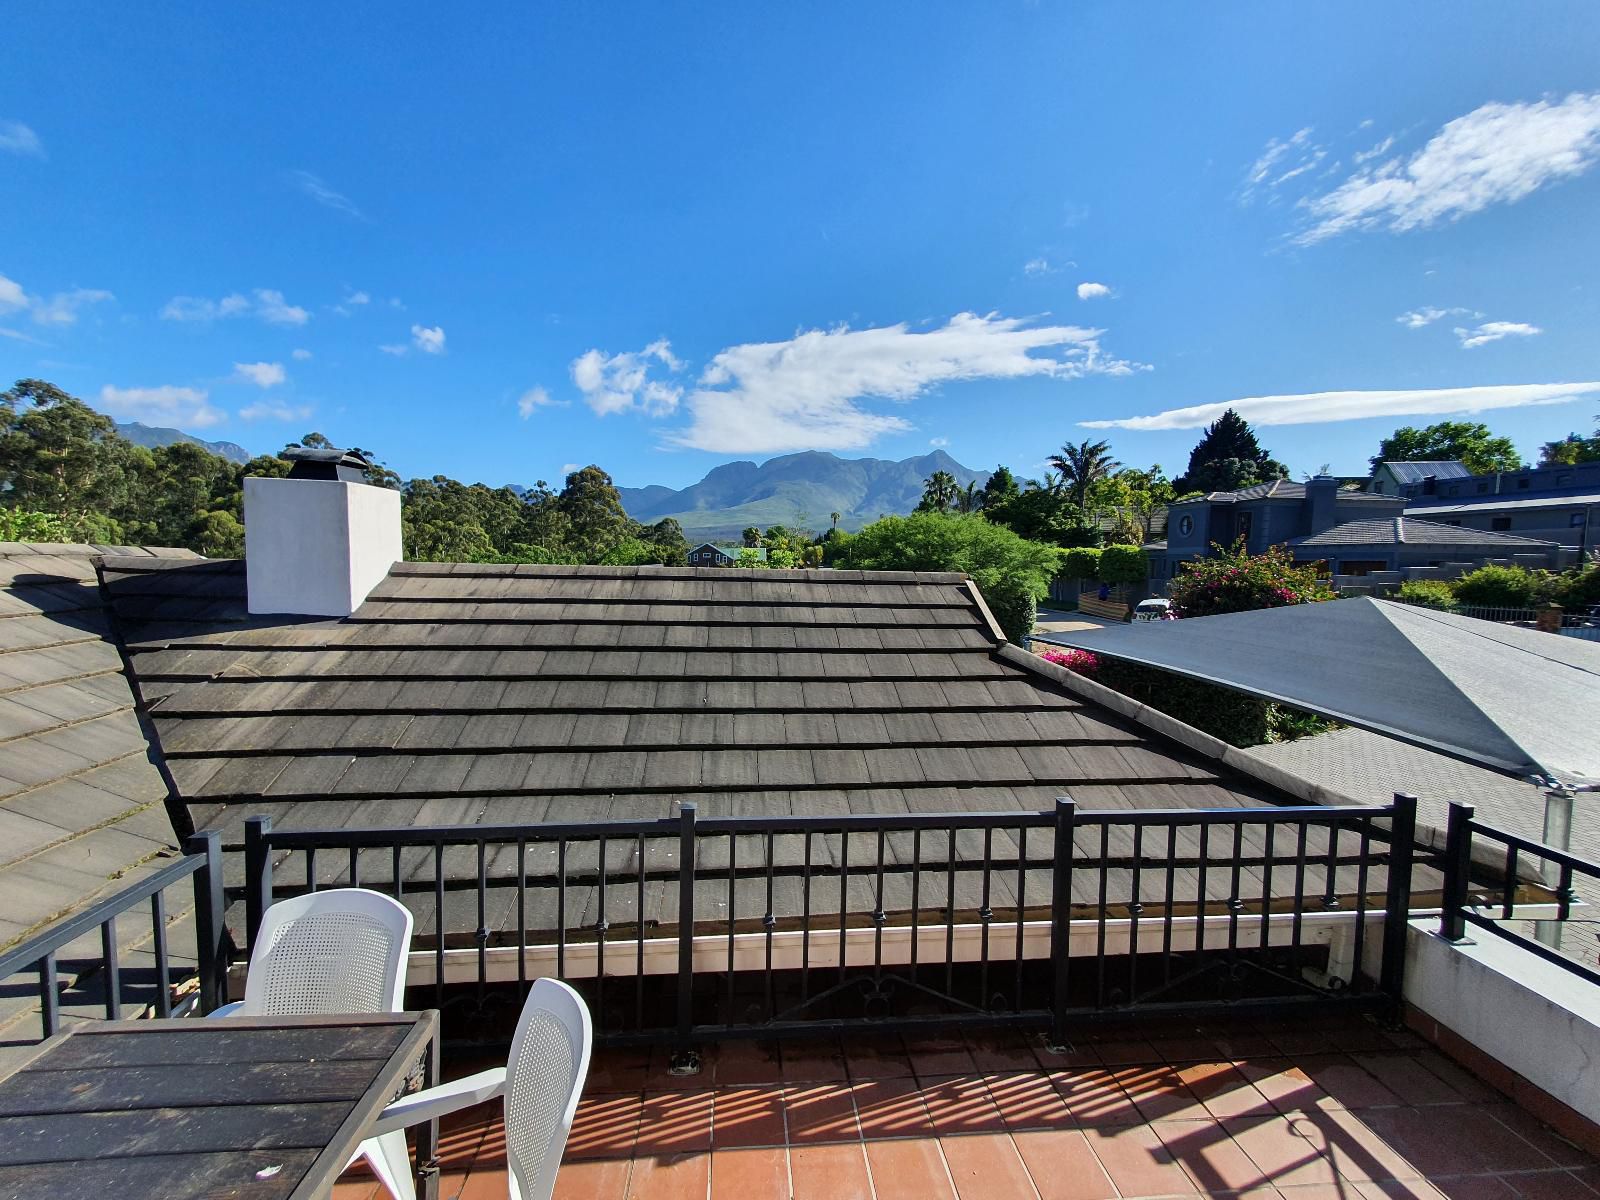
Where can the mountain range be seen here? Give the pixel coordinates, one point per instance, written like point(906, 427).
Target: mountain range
point(796, 490)
point(155, 436)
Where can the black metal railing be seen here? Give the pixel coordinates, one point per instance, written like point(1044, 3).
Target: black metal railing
point(689, 928)
point(202, 861)
point(1521, 875)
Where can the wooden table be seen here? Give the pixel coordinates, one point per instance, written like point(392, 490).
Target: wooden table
point(268, 1108)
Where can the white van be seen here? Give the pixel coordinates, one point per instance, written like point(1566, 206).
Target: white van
point(1152, 610)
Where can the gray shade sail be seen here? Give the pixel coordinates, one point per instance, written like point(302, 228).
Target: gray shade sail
point(1516, 700)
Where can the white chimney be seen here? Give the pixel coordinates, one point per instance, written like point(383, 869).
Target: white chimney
point(318, 542)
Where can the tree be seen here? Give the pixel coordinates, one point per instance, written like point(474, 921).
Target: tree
point(1234, 581)
point(1571, 450)
point(1134, 496)
point(834, 517)
point(939, 492)
point(969, 499)
point(1228, 457)
point(752, 536)
point(1000, 487)
point(593, 506)
point(1012, 573)
point(1470, 442)
point(1081, 467)
point(58, 455)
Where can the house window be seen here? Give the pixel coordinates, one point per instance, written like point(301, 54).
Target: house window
point(1500, 524)
point(1564, 480)
point(1362, 566)
point(1186, 525)
point(1244, 525)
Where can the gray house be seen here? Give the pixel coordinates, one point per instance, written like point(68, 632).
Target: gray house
point(1415, 478)
point(1397, 543)
point(1559, 504)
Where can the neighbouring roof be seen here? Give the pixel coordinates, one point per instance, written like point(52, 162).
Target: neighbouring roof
point(1512, 500)
point(1515, 700)
point(1409, 531)
point(1278, 489)
point(732, 551)
point(1416, 472)
point(82, 807)
point(524, 694)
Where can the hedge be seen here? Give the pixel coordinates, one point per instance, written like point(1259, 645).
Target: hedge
point(1082, 562)
point(1123, 564)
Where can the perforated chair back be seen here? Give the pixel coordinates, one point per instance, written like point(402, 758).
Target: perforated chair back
point(339, 951)
point(544, 1075)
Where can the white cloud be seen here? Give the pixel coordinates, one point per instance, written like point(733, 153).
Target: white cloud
point(353, 300)
point(300, 355)
point(180, 406)
point(569, 468)
point(428, 340)
point(17, 335)
point(1418, 318)
point(805, 393)
point(17, 138)
point(940, 441)
point(535, 398)
point(262, 374)
point(1496, 154)
point(1377, 151)
point(1316, 407)
point(398, 349)
point(614, 383)
point(1493, 331)
point(268, 411)
point(267, 304)
point(1038, 266)
point(12, 297)
point(313, 186)
point(59, 309)
point(1092, 291)
point(1282, 160)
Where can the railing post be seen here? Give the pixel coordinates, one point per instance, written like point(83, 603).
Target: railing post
point(1457, 869)
point(1061, 917)
point(209, 908)
point(686, 1061)
point(1397, 907)
point(257, 875)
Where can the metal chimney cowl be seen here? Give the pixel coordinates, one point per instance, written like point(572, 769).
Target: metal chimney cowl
point(318, 542)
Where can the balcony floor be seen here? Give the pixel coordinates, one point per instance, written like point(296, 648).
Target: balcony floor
point(1341, 1110)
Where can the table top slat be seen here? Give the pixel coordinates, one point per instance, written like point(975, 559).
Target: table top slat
point(230, 1174)
point(180, 1047)
point(115, 1089)
point(77, 1137)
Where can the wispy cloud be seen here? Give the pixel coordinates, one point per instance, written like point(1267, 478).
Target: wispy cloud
point(1419, 318)
point(352, 302)
point(313, 186)
point(1092, 291)
point(535, 398)
point(262, 374)
point(12, 297)
point(428, 340)
point(1317, 407)
point(808, 392)
point(616, 383)
point(1282, 160)
point(181, 406)
point(939, 441)
point(1039, 266)
point(62, 308)
point(266, 410)
point(398, 349)
point(1493, 331)
point(1495, 154)
point(300, 355)
point(17, 138)
point(17, 335)
point(265, 303)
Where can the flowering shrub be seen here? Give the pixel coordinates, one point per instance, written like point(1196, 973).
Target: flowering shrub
point(1234, 581)
point(1079, 661)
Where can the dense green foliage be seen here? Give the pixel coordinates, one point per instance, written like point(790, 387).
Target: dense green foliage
point(1013, 574)
point(1123, 564)
point(1496, 587)
point(1571, 450)
point(1081, 466)
point(1428, 593)
point(1228, 457)
point(1235, 581)
point(62, 460)
point(1081, 562)
point(1471, 442)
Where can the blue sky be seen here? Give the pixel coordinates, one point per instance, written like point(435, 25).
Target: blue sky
point(494, 241)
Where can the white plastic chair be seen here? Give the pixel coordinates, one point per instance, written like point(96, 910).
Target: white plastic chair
point(339, 951)
point(540, 1082)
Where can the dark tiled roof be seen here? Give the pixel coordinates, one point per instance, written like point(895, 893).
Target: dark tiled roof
point(1416, 472)
point(81, 805)
point(1408, 531)
point(1278, 489)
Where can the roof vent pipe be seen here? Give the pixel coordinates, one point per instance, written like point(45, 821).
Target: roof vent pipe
point(319, 541)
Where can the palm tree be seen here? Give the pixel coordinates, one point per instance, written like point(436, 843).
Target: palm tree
point(752, 536)
point(834, 517)
point(970, 499)
point(1082, 466)
point(939, 492)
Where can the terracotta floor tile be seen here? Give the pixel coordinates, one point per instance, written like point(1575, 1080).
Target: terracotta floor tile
point(451, 1184)
point(820, 1061)
point(1224, 1091)
point(486, 1183)
point(1068, 1058)
point(1129, 1052)
point(751, 1116)
point(1286, 1148)
point(623, 1070)
point(909, 1169)
point(1544, 1139)
point(987, 1166)
point(660, 1077)
point(821, 1112)
point(1485, 1142)
point(1062, 1166)
point(1470, 1086)
point(739, 1063)
point(750, 1173)
point(1472, 1187)
point(998, 1052)
point(1282, 1082)
point(961, 1104)
point(1095, 1096)
point(1408, 1079)
point(1549, 1185)
point(356, 1188)
point(593, 1179)
point(670, 1177)
point(1397, 1189)
point(1159, 1095)
point(1186, 1048)
point(606, 1126)
point(1346, 1083)
point(876, 1058)
point(674, 1123)
point(837, 1172)
point(1138, 1162)
point(1210, 1157)
point(889, 1108)
point(1029, 1102)
point(1357, 1150)
point(940, 1056)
